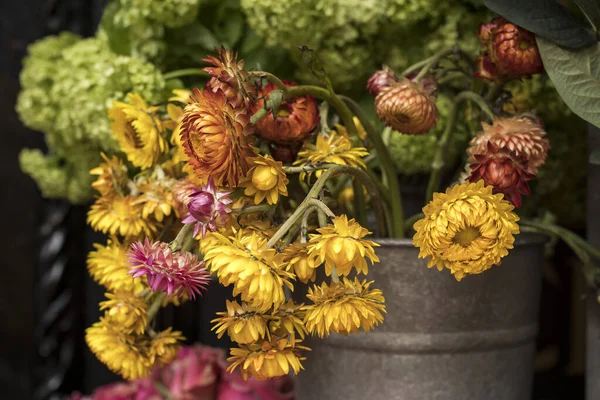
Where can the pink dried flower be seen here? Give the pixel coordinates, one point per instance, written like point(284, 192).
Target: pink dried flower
point(208, 208)
point(233, 387)
point(166, 270)
point(194, 374)
point(182, 190)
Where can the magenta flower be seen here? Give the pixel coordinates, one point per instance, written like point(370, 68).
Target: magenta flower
point(166, 270)
point(208, 208)
point(194, 374)
point(233, 387)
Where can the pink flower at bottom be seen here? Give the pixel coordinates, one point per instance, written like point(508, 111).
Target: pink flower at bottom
point(166, 270)
point(116, 391)
point(233, 387)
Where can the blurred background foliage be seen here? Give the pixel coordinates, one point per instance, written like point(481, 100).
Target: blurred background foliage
point(69, 82)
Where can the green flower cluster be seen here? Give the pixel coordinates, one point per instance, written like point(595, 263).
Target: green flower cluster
point(68, 83)
point(414, 154)
point(354, 37)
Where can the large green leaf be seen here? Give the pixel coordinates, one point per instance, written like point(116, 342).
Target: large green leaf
point(576, 76)
point(548, 19)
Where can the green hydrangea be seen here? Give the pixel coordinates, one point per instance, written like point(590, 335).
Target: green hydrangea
point(414, 154)
point(68, 101)
point(170, 13)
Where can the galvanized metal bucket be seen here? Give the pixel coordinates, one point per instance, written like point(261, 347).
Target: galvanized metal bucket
point(441, 339)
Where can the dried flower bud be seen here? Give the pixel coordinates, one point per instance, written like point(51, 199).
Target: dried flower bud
point(511, 49)
point(408, 107)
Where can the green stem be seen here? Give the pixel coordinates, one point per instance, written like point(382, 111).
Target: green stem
point(270, 77)
point(321, 207)
point(186, 72)
point(439, 160)
point(156, 304)
point(184, 232)
point(304, 224)
point(306, 168)
point(387, 166)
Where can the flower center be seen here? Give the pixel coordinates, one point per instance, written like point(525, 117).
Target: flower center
point(134, 137)
point(264, 178)
point(466, 236)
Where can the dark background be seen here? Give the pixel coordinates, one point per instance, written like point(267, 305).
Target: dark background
point(47, 299)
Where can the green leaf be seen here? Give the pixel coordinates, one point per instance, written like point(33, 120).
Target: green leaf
point(591, 10)
point(547, 19)
point(275, 99)
point(202, 36)
point(576, 76)
point(595, 157)
point(231, 31)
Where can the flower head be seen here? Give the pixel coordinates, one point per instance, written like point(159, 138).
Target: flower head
point(229, 76)
point(125, 310)
point(156, 195)
point(126, 354)
point(165, 345)
point(380, 80)
point(182, 191)
point(520, 134)
point(511, 50)
point(255, 271)
point(296, 118)
point(243, 323)
point(266, 179)
point(331, 149)
point(208, 208)
point(112, 176)
point(467, 229)
point(166, 270)
point(108, 266)
point(343, 307)
point(299, 261)
point(267, 360)
point(194, 374)
point(138, 130)
point(215, 138)
point(119, 215)
point(407, 106)
point(504, 171)
point(287, 320)
point(342, 246)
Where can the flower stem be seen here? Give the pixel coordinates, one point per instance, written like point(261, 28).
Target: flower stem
point(306, 168)
point(360, 203)
point(156, 304)
point(270, 77)
point(322, 207)
point(388, 168)
point(186, 72)
point(181, 237)
point(439, 160)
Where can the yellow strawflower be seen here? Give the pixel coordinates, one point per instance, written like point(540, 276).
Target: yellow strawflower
point(257, 273)
point(467, 229)
point(343, 307)
point(287, 320)
point(108, 266)
point(299, 262)
point(112, 176)
point(165, 345)
point(266, 179)
point(267, 360)
point(126, 310)
point(139, 131)
point(119, 215)
point(156, 196)
point(126, 354)
point(243, 324)
point(331, 149)
point(342, 245)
